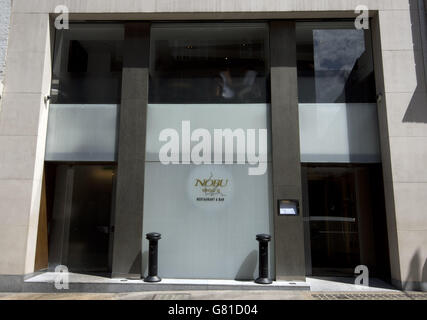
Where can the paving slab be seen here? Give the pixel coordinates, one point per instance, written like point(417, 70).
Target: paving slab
point(93, 287)
point(45, 282)
point(220, 295)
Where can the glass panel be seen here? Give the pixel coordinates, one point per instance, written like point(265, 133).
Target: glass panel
point(210, 76)
point(347, 219)
point(90, 219)
point(338, 111)
point(79, 211)
point(87, 65)
point(209, 63)
point(81, 132)
point(86, 91)
point(334, 63)
point(207, 235)
point(333, 225)
point(339, 132)
point(206, 116)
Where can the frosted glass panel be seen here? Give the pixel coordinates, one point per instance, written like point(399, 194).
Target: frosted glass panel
point(81, 132)
point(205, 233)
point(208, 76)
point(207, 116)
point(339, 132)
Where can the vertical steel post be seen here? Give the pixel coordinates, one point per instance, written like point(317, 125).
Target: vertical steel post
point(263, 240)
point(153, 239)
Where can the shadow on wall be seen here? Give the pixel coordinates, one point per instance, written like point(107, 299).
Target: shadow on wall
point(417, 278)
point(417, 113)
point(417, 109)
point(136, 265)
point(247, 269)
point(144, 261)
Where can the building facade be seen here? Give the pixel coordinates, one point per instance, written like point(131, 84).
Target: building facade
point(211, 122)
point(4, 33)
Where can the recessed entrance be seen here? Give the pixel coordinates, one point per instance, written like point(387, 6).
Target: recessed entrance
point(79, 216)
point(346, 219)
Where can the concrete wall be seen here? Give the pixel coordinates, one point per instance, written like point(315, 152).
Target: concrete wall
point(5, 6)
point(288, 230)
point(200, 6)
point(23, 123)
point(423, 30)
point(129, 209)
point(403, 129)
point(400, 78)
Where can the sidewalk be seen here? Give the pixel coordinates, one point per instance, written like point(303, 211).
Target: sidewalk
point(221, 295)
point(90, 287)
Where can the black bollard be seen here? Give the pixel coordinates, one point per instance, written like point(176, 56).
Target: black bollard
point(153, 239)
point(263, 240)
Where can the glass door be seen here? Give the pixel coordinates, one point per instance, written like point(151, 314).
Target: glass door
point(346, 219)
point(80, 224)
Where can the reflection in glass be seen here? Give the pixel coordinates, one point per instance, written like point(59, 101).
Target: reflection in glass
point(88, 62)
point(334, 63)
point(336, 92)
point(209, 63)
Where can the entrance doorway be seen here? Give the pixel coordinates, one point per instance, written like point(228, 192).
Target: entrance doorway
point(79, 202)
point(345, 219)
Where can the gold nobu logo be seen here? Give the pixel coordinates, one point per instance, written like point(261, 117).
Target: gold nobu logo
point(211, 186)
